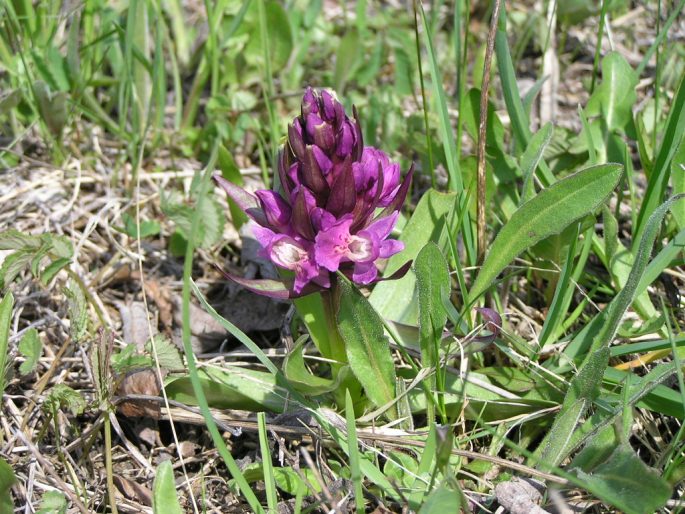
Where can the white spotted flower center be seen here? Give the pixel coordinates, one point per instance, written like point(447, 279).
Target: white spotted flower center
point(288, 254)
point(358, 249)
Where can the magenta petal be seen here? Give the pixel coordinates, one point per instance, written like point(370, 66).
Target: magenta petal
point(390, 247)
point(295, 139)
point(325, 164)
point(309, 103)
point(331, 244)
point(329, 105)
point(382, 227)
point(398, 200)
point(322, 219)
point(364, 273)
point(275, 208)
point(345, 139)
point(247, 202)
point(263, 235)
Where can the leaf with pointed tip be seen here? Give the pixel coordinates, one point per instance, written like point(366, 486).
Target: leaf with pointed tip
point(398, 201)
point(247, 202)
point(279, 289)
point(551, 211)
point(301, 378)
point(367, 348)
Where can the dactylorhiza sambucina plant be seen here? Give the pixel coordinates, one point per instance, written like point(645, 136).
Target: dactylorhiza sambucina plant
point(338, 203)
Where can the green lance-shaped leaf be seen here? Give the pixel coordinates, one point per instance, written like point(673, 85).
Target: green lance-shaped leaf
point(5, 319)
point(30, 347)
point(366, 346)
point(548, 213)
point(627, 483)
point(433, 279)
point(586, 383)
point(7, 479)
point(301, 378)
point(164, 499)
point(614, 97)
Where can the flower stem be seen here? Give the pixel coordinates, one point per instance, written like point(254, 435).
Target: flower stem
point(330, 300)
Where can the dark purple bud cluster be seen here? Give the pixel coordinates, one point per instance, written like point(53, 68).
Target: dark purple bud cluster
point(339, 202)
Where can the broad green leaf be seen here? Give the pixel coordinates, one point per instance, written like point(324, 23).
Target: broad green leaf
point(78, 310)
point(164, 499)
point(300, 377)
point(552, 210)
point(442, 500)
point(347, 58)
point(232, 388)
point(367, 347)
point(12, 266)
point(53, 502)
point(287, 479)
point(279, 33)
point(5, 319)
point(13, 239)
point(52, 269)
point(9, 100)
point(52, 107)
point(585, 384)
point(166, 352)
point(62, 396)
point(627, 483)
point(531, 158)
point(30, 347)
point(613, 99)
point(148, 228)
point(212, 218)
point(433, 282)
point(433, 279)
point(397, 299)
point(583, 390)
point(7, 479)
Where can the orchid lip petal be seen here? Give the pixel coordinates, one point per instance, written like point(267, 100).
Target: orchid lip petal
point(247, 202)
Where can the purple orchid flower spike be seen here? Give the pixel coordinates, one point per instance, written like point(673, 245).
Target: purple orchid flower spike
point(339, 204)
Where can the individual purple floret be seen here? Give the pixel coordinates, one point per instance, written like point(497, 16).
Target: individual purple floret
point(339, 202)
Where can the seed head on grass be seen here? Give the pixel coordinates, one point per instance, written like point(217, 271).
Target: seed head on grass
point(338, 203)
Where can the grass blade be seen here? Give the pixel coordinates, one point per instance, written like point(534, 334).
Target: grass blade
point(190, 356)
point(353, 452)
point(5, 318)
point(267, 466)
